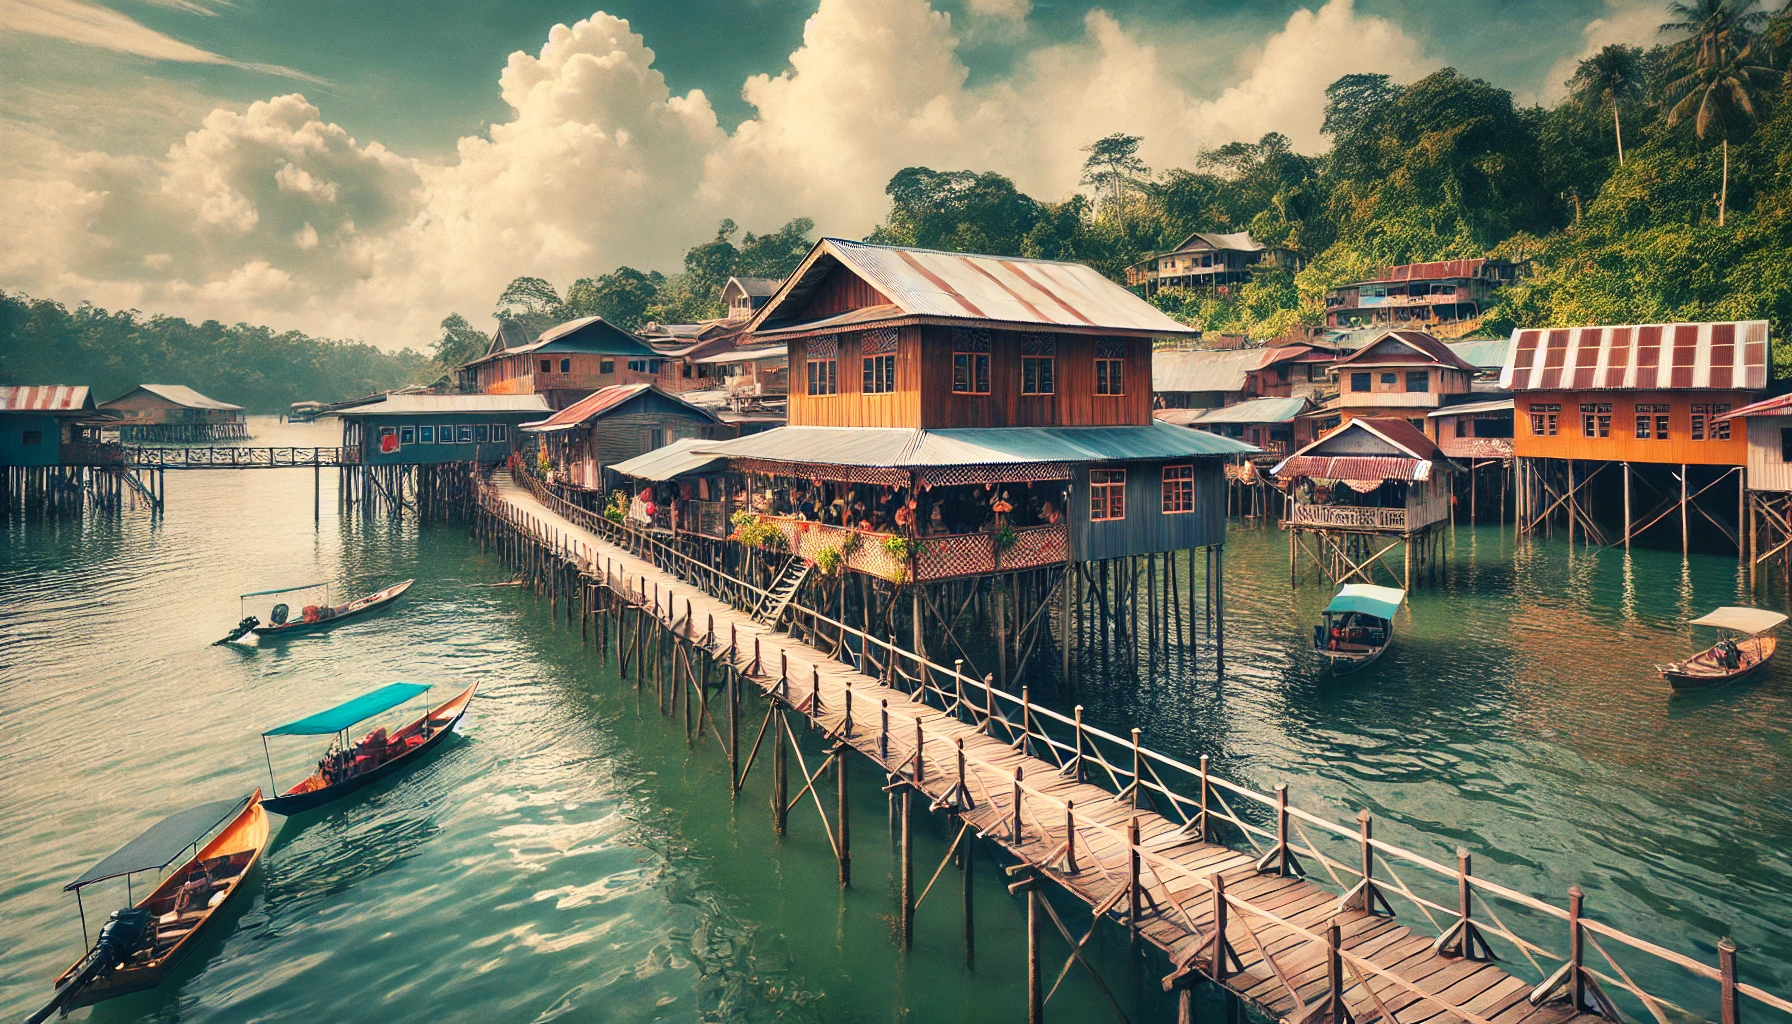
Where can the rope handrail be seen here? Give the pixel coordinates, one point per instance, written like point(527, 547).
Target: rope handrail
point(1038, 715)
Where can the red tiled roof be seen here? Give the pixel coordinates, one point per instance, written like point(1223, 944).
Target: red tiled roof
point(1729, 356)
point(45, 398)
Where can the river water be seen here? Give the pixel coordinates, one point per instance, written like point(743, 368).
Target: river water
point(570, 858)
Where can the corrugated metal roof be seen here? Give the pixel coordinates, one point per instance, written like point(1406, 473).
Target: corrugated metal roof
point(1778, 406)
point(862, 315)
point(45, 398)
point(668, 461)
point(904, 448)
point(606, 400)
point(1240, 240)
point(1482, 353)
point(403, 405)
point(1402, 435)
point(755, 287)
point(746, 355)
point(1257, 410)
point(962, 286)
point(589, 335)
point(1731, 355)
point(1201, 370)
point(180, 395)
point(1433, 271)
point(1425, 347)
point(1352, 467)
point(1465, 408)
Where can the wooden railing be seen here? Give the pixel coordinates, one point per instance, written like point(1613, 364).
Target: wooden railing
point(237, 457)
point(1353, 517)
point(88, 453)
point(938, 557)
point(1556, 946)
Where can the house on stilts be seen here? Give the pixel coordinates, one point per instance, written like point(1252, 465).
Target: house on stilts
point(977, 430)
point(1363, 492)
point(1625, 430)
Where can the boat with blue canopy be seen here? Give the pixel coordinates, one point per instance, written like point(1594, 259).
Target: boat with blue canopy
point(140, 944)
point(350, 765)
point(316, 610)
point(1358, 626)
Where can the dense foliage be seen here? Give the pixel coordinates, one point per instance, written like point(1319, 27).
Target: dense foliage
point(44, 342)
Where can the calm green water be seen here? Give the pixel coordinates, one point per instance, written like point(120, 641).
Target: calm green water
point(570, 858)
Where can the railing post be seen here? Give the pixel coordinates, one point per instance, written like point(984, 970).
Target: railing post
point(1206, 833)
point(1137, 769)
point(958, 689)
point(1016, 836)
point(883, 733)
point(1075, 767)
point(784, 674)
point(1463, 939)
point(1336, 1011)
point(1217, 966)
point(963, 795)
point(1366, 896)
point(1070, 867)
point(1281, 860)
point(1132, 880)
point(1726, 969)
point(1577, 953)
point(815, 691)
point(846, 726)
point(920, 759)
point(1026, 722)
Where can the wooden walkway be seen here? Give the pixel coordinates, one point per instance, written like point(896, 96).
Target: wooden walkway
point(1279, 937)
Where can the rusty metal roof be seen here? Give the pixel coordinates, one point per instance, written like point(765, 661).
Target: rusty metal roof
point(1777, 406)
point(429, 405)
point(1732, 355)
point(180, 395)
point(1436, 270)
point(1352, 467)
point(68, 398)
point(1421, 344)
point(606, 400)
point(1214, 370)
point(961, 286)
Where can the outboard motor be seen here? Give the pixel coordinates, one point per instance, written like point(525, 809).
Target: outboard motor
point(124, 934)
point(242, 629)
point(278, 615)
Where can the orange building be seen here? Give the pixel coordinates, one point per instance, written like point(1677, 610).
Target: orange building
point(1652, 400)
point(565, 364)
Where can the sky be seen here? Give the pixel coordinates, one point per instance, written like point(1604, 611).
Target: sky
point(360, 170)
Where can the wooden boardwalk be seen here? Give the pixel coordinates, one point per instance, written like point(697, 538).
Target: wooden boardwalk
point(1249, 921)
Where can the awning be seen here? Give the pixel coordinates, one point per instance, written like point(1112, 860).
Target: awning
point(1381, 602)
point(675, 459)
point(162, 842)
point(284, 590)
point(348, 713)
point(1743, 620)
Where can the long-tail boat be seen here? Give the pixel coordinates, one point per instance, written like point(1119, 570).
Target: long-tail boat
point(1358, 626)
point(322, 615)
point(138, 946)
point(348, 766)
point(1745, 649)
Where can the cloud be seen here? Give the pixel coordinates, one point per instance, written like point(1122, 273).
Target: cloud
point(273, 214)
point(1631, 22)
point(1002, 10)
point(87, 24)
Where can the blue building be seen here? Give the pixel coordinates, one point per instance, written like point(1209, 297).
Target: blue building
point(47, 425)
point(408, 430)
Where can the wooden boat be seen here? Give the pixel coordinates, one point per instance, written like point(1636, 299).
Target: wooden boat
point(1358, 626)
point(139, 946)
point(1744, 650)
point(331, 615)
point(322, 615)
point(350, 766)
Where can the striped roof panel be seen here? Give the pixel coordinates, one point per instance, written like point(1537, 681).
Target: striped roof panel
point(1639, 357)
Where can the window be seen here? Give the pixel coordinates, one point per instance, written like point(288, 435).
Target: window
point(446, 434)
point(426, 434)
point(970, 361)
point(824, 366)
point(1705, 423)
point(33, 437)
point(1418, 380)
point(482, 433)
point(1390, 378)
point(1038, 364)
point(684, 369)
point(407, 435)
point(465, 433)
point(1543, 419)
point(566, 366)
point(644, 365)
point(1359, 382)
point(1596, 419)
point(500, 433)
point(1651, 420)
point(1179, 489)
point(1786, 444)
point(547, 366)
point(606, 365)
point(1107, 494)
point(878, 349)
point(1110, 368)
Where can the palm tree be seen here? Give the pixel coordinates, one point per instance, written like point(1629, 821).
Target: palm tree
point(1722, 77)
point(1613, 76)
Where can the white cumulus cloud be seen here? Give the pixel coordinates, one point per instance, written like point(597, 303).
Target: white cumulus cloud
point(272, 213)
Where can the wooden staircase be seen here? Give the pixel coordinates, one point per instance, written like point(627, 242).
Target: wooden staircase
point(782, 591)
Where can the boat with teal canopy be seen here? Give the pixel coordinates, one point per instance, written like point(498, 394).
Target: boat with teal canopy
point(348, 764)
point(1358, 626)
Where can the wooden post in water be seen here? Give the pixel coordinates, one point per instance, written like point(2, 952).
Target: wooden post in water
point(780, 780)
point(969, 855)
point(1035, 969)
point(908, 868)
point(843, 829)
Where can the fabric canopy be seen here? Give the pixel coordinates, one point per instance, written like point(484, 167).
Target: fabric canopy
point(164, 841)
point(348, 713)
point(1381, 602)
point(1742, 620)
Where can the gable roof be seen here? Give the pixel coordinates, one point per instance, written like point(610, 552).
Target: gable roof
point(54, 398)
point(604, 401)
point(1329, 457)
point(1731, 355)
point(1410, 440)
point(1436, 270)
point(430, 405)
point(1240, 240)
point(1257, 410)
point(590, 335)
point(1482, 353)
point(510, 334)
point(1423, 345)
point(754, 287)
point(925, 285)
point(1214, 369)
point(180, 395)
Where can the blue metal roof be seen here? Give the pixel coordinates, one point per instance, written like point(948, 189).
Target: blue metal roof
point(907, 448)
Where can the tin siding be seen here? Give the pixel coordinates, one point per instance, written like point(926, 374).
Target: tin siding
point(13, 449)
point(432, 454)
point(1767, 471)
point(1146, 529)
point(1623, 445)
